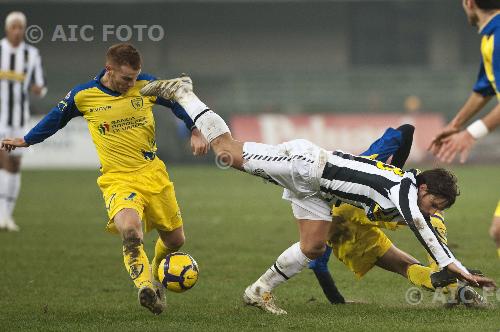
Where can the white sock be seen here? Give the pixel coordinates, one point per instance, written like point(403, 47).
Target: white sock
point(288, 264)
point(209, 123)
point(3, 194)
point(13, 187)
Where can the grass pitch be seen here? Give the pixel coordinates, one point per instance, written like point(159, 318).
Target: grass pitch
point(63, 272)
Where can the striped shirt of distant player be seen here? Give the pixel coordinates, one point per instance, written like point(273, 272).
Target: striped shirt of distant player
point(373, 185)
point(20, 67)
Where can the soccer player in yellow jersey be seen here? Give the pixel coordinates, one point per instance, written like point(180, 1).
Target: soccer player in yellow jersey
point(453, 139)
point(360, 244)
point(135, 184)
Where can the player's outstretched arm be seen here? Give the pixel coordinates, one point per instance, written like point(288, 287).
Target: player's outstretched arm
point(9, 144)
point(473, 105)
point(462, 142)
point(404, 196)
point(199, 144)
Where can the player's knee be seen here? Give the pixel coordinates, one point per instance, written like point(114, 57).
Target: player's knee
point(13, 165)
point(313, 250)
point(128, 224)
point(177, 242)
point(131, 233)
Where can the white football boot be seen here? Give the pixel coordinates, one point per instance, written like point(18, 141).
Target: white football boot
point(470, 298)
point(3, 224)
point(10, 225)
point(262, 300)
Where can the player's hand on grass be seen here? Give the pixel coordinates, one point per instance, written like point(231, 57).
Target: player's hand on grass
point(436, 143)
point(9, 144)
point(461, 143)
point(199, 144)
point(485, 282)
point(467, 277)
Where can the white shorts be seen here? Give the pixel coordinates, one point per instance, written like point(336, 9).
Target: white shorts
point(296, 166)
point(11, 132)
point(311, 208)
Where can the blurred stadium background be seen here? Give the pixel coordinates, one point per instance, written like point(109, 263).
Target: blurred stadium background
point(336, 72)
point(414, 59)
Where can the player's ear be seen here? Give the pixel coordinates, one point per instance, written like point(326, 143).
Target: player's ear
point(422, 188)
point(108, 67)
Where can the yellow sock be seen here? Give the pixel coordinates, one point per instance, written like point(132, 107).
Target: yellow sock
point(137, 263)
point(498, 252)
point(420, 276)
point(161, 251)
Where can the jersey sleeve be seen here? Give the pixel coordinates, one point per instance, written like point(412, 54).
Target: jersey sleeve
point(38, 76)
point(56, 119)
point(385, 146)
point(178, 111)
point(496, 64)
point(483, 85)
point(404, 196)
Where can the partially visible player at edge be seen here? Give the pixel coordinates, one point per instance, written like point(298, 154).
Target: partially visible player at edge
point(21, 73)
point(453, 139)
point(134, 181)
point(316, 179)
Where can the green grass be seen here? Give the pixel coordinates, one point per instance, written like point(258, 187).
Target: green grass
point(63, 272)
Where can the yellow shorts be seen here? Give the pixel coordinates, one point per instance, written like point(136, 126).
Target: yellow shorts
point(149, 191)
point(358, 246)
point(497, 211)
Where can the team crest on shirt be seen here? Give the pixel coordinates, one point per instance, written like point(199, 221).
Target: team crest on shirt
point(62, 105)
point(137, 102)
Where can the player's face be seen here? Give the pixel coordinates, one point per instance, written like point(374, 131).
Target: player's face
point(429, 203)
point(15, 33)
point(471, 15)
point(122, 78)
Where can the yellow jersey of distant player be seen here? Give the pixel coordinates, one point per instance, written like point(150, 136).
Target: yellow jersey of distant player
point(122, 126)
point(489, 69)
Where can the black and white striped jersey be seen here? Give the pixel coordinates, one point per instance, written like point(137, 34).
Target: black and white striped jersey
point(20, 67)
point(373, 185)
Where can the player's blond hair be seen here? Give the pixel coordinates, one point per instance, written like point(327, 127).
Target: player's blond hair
point(124, 54)
point(15, 17)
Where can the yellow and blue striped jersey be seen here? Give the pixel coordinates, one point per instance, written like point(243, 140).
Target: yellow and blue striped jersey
point(122, 126)
point(490, 61)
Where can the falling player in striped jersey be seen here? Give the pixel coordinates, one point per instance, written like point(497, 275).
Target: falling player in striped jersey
point(20, 73)
point(316, 179)
point(360, 244)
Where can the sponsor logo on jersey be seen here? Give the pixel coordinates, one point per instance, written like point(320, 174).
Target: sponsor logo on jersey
point(103, 128)
point(100, 108)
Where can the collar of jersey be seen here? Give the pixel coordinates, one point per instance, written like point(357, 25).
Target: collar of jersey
point(490, 27)
point(104, 89)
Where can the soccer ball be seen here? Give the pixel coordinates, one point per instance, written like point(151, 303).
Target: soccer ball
point(178, 272)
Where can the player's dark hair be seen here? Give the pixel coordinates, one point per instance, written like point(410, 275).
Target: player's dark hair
point(124, 54)
point(440, 182)
point(488, 4)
